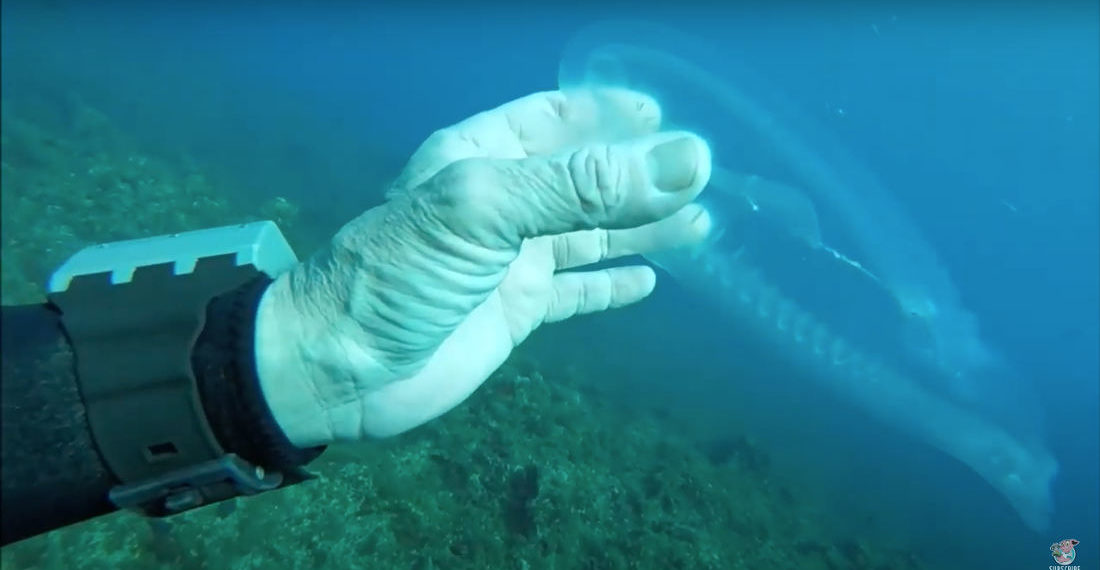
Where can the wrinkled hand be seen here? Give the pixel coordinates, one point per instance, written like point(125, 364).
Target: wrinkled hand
point(417, 301)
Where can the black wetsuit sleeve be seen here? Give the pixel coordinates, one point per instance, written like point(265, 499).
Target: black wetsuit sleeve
point(51, 474)
point(225, 367)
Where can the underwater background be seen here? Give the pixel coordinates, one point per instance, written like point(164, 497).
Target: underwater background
point(650, 437)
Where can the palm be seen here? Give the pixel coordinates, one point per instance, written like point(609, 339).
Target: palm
point(527, 289)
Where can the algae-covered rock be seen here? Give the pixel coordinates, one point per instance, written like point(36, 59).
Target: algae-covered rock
point(80, 183)
point(531, 472)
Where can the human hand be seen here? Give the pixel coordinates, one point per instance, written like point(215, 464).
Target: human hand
point(417, 301)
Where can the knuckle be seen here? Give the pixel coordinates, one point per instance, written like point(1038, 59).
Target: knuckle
point(464, 186)
point(562, 249)
point(471, 199)
point(605, 244)
point(595, 176)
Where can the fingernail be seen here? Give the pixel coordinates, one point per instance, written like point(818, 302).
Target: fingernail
point(673, 164)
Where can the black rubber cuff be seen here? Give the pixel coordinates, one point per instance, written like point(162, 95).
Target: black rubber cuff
point(224, 364)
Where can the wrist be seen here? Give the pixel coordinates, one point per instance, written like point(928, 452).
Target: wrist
point(313, 363)
point(285, 380)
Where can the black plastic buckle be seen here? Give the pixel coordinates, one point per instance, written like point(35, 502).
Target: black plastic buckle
point(195, 486)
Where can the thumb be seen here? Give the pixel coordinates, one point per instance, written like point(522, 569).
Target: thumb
point(612, 186)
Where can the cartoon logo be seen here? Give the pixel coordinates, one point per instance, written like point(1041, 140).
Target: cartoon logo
point(1063, 551)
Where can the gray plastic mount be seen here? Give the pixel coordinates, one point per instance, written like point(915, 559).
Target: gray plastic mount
point(258, 243)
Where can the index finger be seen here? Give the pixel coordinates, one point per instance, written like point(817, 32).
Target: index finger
point(536, 125)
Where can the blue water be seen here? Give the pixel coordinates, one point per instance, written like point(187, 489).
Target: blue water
point(983, 123)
